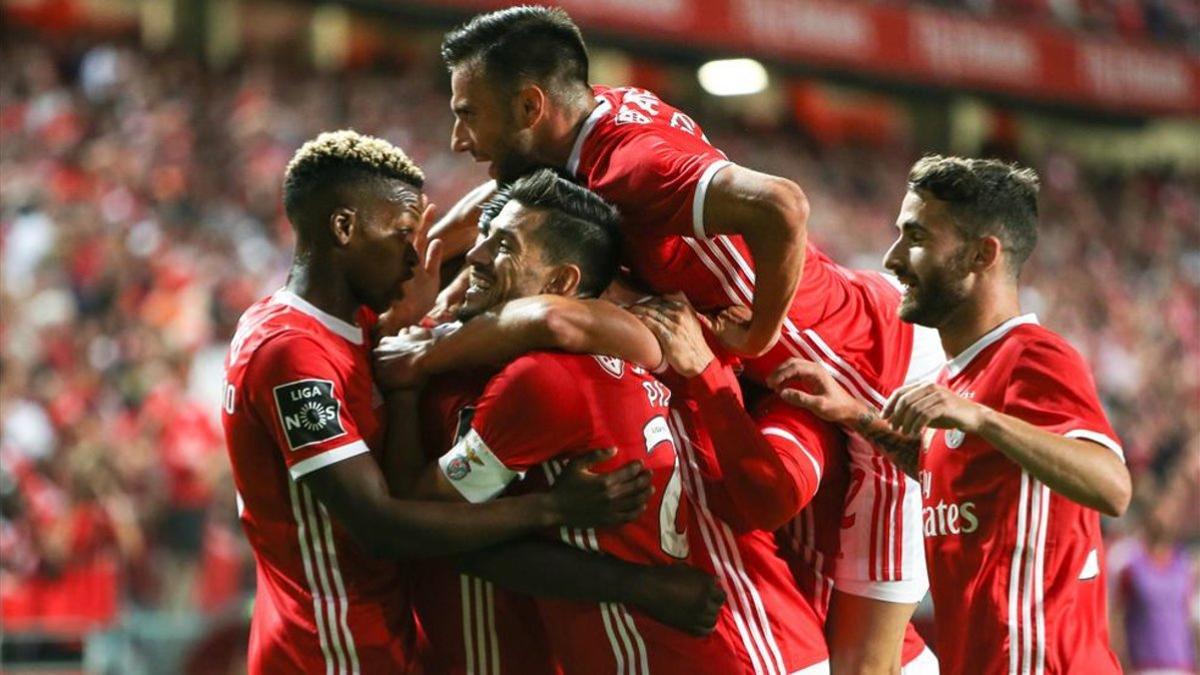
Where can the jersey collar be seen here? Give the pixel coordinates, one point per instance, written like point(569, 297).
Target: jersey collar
point(959, 363)
point(349, 331)
point(601, 109)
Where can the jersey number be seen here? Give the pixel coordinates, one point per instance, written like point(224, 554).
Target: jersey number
point(671, 537)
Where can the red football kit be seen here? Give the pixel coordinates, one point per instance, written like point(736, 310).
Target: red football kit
point(1017, 571)
point(654, 163)
point(776, 629)
point(471, 626)
point(299, 397)
point(545, 404)
point(812, 552)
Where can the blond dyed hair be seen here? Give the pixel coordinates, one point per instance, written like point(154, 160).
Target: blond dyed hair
point(347, 148)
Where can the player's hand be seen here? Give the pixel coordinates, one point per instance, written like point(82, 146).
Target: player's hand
point(397, 359)
point(681, 597)
point(581, 498)
point(808, 385)
point(731, 326)
point(445, 307)
point(421, 291)
point(925, 404)
point(677, 328)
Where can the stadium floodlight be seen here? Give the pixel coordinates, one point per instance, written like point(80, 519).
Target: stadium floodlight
point(733, 77)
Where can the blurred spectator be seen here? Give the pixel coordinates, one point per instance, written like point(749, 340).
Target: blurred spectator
point(1157, 598)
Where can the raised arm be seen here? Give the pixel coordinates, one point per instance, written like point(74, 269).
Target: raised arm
point(517, 327)
point(771, 215)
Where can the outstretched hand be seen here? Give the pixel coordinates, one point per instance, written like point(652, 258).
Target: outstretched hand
point(806, 384)
point(926, 404)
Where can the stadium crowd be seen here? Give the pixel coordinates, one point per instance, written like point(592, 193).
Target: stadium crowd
point(140, 216)
point(1160, 21)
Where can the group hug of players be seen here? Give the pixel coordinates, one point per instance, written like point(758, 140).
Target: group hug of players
point(650, 428)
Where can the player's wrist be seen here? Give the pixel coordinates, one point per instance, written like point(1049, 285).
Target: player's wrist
point(695, 367)
point(980, 420)
point(639, 591)
point(859, 417)
point(548, 509)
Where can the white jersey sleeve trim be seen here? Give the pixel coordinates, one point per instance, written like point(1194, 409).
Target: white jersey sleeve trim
point(787, 435)
point(474, 470)
point(904, 592)
point(305, 467)
point(1095, 437)
point(701, 191)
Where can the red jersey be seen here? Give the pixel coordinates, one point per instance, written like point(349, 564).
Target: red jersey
point(1017, 571)
point(545, 404)
point(299, 397)
point(811, 547)
point(470, 625)
point(776, 629)
point(654, 163)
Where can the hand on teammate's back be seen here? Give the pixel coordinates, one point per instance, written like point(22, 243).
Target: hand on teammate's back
point(678, 330)
point(583, 498)
point(681, 597)
point(808, 385)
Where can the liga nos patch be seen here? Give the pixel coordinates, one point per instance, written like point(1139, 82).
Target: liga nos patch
point(309, 412)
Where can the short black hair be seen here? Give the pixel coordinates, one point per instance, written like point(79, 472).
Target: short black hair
point(335, 159)
point(530, 42)
point(580, 228)
point(986, 197)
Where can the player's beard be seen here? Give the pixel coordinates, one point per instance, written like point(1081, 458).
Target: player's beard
point(939, 294)
point(511, 166)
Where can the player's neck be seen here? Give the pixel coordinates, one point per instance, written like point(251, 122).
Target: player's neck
point(323, 289)
point(567, 130)
point(991, 306)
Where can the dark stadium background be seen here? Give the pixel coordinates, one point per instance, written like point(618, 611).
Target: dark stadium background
point(142, 145)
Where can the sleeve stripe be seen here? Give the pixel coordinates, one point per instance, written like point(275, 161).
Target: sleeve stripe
point(305, 467)
point(1085, 435)
point(701, 191)
point(783, 433)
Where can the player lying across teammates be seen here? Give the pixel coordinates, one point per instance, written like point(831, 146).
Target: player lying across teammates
point(660, 554)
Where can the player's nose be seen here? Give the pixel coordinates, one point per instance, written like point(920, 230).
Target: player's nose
point(892, 260)
point(460, 140)
point(478, 255)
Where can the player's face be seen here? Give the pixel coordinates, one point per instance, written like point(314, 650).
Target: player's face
point(506, 263)
point(380, 250)
point(485, 125)
point(931, 260)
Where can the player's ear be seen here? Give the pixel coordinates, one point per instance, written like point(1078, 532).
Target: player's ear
point(342, 223)
point(531, 105)
point(989, 252)
point(564, 280)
